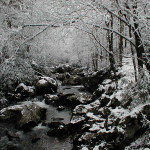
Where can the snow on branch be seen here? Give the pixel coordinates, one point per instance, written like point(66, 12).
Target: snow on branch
point(126, 38)
point(38, 25)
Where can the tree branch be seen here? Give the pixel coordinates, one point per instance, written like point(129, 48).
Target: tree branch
point(39, 25)
point(126, 38)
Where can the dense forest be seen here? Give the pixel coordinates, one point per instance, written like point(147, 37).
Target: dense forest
point(74, 74)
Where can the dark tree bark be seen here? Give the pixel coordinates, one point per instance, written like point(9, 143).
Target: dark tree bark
point(133, 56)
point(138, 41)
point(110, 42)
point(121, 43)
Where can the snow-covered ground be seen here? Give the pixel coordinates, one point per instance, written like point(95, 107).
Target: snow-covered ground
point(143, 142)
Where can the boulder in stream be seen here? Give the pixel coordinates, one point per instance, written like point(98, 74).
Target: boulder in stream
point(72, 100)
point(63, 68)
point(46, 85)
point(24, 116)
point(51, 99)
point(71, 80)
point(57, 129)
point(24, 90)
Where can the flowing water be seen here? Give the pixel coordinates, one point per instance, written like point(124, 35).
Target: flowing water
point(37, 138)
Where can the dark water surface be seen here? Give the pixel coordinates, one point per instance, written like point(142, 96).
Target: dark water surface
point(37, 138)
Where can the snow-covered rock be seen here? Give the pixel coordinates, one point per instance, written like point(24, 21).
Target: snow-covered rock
point(72, 100)
point(91, 81)
point(62, 68)
point(46, 85)
point(25, 90)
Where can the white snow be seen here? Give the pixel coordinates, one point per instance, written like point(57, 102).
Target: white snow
point(92, 116)
point(106, 131)
point(119, 112)
point(96, 148)
point(106, 81)
point(42, 81)
point(95, 104)
point(84, 148)
point(39, 126)
point(95, 127)
point(77, 119)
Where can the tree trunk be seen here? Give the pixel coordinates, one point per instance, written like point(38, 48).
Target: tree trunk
point(138, 41)
point(110, 41)
point(133, 57)
point(121, 43)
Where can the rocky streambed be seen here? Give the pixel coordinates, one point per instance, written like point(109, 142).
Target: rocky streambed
point(73, 110)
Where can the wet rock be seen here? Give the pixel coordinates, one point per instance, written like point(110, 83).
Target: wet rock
point(63, 68)
point(107, 89)
point(86, 138)
point(77, 99)
point(10, 113)
point(34, 140)
point(84, 98)
point(78, 71)
point(81, 109)
point(91, 81)
point(63, 99)
point(72, 100)
point(51, 99)
point(60, 108)
point(13, 146)
point(98, 92)
point(46, 85)
point(17, 97)
point(76, 123)
point(3, 102)
point(57, 129)
point(104, 100)
point(25, 91)
point(114, 103)
point(85, 127)
point(11, 135)
point(110, 88)
point(24, 116)
point(72, 80)
point(60, 77)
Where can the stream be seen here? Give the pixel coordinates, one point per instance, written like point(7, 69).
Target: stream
point(37, 138)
